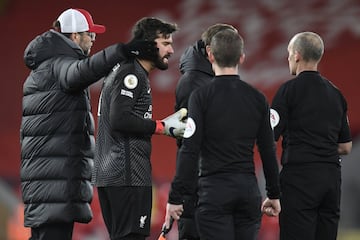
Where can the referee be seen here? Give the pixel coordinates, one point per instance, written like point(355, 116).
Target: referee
point(310, 114)
point(226, 118)
point(196, 72)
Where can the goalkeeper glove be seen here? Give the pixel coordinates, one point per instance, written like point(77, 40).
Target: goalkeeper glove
point(173, 125)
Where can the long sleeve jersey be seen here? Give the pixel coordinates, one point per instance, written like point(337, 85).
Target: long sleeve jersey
point(312, 119)
point(123, 146)
point(225, 120)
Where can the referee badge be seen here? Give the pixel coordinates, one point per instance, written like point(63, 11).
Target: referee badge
point(274, 118)
point(190, 128)
point(130, 81)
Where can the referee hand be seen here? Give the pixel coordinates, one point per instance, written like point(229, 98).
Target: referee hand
point(173, 211)
point(271, 207)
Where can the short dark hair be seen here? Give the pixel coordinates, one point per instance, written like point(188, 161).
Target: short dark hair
point(207, 35)
point(227, 46)
point(149, 28)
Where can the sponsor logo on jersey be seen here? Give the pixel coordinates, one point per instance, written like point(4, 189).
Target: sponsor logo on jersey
point(148, 114)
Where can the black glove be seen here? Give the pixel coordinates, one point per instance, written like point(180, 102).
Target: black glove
point(201, 46)
point(142, 49)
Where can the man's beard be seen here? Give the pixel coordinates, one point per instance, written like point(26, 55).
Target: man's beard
point(159, 63)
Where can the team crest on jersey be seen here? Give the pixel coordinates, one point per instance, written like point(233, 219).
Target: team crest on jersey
point(142, 221)
point(274, 118)
point(190, 128)
point(130, 81)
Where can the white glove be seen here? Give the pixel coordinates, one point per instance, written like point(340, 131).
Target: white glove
point(174, 125)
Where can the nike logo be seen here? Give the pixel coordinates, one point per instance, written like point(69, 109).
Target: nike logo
point(135, 53)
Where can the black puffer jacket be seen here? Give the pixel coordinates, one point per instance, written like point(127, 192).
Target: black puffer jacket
point(57, 129)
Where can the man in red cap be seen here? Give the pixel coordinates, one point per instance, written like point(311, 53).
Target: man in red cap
point(79, 26)
point(57, 129)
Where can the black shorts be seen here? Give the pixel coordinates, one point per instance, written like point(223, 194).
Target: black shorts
point(229, 207)
point(126, 210)
point(310, 201)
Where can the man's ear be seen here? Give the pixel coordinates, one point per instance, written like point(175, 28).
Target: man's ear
point(207, 49)
point(297, 56)
point(242, 58)
point(73, 36)
point(210, 55)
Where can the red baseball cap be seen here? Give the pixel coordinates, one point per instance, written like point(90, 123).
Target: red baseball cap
point(78, 20)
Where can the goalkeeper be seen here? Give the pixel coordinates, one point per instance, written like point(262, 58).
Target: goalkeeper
point(122, 168)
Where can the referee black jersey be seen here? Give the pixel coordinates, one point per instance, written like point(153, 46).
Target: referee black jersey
point(123, 144)
point(225, 120)
point(311, 115)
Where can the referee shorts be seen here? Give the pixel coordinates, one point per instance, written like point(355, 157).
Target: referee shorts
point(310, 201)
point(229, 207)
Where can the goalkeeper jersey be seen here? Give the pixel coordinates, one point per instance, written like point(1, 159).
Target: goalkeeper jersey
point(123, 144)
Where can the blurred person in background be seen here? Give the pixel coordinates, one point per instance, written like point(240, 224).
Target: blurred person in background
point(310, 114)
point(57, 128)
